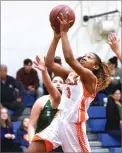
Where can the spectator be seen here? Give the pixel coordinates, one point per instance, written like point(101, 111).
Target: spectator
point(57, 60)
point(115, 75)
point(7, 135)
point(8, 98)
point(22, 135)
point(29, 77)
point(113, 64)
point(114, 114)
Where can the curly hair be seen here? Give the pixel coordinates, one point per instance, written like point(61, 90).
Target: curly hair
point(103, 74)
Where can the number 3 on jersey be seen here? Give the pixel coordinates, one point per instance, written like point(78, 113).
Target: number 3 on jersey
point(68, 92)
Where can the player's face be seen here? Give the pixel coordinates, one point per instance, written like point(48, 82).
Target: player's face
point(88, 61)
point(58, 82)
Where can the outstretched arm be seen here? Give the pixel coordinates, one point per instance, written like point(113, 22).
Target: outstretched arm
point(49, 62)
point(53, 91)
point(34, 116)
point(86, 75)
point(115, 45)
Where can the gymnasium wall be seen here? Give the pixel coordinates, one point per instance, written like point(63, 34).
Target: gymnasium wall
point(26, 31)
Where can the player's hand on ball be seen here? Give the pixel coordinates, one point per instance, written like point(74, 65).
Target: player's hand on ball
point(65, 22)
point(56, 35)
point(40, 64)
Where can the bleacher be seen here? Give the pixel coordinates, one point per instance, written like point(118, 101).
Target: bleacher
point(100, 141)
point(28, 101)
point(96, 124)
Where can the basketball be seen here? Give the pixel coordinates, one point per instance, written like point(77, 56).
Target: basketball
point(56, 12)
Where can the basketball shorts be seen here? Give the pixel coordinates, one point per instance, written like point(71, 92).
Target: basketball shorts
point(71, 136)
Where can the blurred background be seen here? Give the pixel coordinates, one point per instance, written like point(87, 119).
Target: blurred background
point(26, 31)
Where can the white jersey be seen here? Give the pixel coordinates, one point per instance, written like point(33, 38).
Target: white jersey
point(75, 100)
point(68, 129)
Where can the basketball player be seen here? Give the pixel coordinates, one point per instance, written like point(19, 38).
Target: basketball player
point(45, 108)
point(87, 78)
point(115, 45)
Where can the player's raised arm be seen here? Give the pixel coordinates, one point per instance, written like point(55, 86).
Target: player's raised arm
point(68, 54)
point(90, 66)
point(53, 91)
point(114, 43)
point(56, 68)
